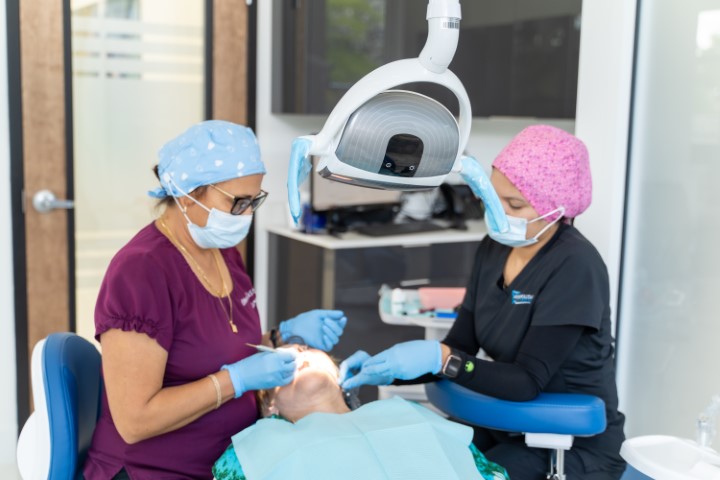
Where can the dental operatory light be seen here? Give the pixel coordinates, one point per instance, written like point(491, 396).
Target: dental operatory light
point(389, 139)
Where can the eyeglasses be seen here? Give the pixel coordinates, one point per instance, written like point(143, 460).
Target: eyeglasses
point(241, 204)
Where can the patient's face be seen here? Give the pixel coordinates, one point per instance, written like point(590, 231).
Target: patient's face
point(314, 362)
point(315, 380)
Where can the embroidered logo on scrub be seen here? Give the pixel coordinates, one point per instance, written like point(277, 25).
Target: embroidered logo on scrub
point(519, 298)
point(249, 297)
point(469, 366)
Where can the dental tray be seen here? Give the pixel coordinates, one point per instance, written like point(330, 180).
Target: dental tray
point(444, 298)
point(411, 311)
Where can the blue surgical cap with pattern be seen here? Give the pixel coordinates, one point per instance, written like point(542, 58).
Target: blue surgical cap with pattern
point(206, 153)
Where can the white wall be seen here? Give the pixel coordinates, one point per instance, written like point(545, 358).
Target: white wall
point(276, 133)
point(602, 121)
point(8, 403)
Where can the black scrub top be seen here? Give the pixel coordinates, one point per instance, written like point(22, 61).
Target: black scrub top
point(565, 284)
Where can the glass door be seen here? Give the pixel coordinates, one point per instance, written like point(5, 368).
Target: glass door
point(137, 80)
point(99, 86)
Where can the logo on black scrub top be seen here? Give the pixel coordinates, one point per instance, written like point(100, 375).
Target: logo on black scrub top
point(519, 298)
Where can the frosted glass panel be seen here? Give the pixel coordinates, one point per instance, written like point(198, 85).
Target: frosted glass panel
point(137, 81)
point(669, 343)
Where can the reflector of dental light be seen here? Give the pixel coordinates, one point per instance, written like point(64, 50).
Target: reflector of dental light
point(397, 140)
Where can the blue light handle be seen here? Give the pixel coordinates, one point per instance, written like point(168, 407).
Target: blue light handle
point(474, 175)
point(298, 171)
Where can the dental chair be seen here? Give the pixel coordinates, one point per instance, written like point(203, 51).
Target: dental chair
point(66, 387)
point(551, 420)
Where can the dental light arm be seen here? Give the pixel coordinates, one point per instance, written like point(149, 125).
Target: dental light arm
point(441, 43)
point(431, 66)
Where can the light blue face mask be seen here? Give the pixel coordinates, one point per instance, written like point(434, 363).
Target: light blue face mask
point(516, 235)
point(222, 230)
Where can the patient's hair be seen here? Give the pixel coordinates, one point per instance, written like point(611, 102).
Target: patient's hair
point(263, 400)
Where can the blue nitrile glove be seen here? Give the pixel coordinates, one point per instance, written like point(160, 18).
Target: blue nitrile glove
point(474, 175)
point(318, 328)
point(298, 171)
point(404, 361)
point(353, 376)
point(262, 370)
point(351, 365)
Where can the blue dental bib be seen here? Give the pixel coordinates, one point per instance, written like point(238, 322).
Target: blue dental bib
point(386, 439)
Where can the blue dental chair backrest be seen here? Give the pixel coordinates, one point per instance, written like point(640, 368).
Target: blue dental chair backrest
point(66, 391)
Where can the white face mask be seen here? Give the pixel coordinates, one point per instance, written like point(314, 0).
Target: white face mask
point(516, 235)
point(222, 230)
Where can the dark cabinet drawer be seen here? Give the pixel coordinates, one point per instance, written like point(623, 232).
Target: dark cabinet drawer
point(378, 265)
point(451, 263)
point(440, 264)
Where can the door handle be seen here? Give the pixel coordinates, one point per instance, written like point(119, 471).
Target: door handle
point(45, 201)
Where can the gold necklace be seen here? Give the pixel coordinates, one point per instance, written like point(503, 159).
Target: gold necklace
point(223, 292)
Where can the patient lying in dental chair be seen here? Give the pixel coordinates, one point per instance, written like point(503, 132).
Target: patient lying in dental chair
point(310, 432)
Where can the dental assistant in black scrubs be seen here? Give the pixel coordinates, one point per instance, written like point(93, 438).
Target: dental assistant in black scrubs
point(537, 304)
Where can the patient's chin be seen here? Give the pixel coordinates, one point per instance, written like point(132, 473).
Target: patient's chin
point(308, 387)
point(309, 381)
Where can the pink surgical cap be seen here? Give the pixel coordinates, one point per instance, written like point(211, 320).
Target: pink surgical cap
point(550, 168)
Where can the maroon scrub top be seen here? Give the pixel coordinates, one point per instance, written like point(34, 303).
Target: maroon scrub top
point(151, 289)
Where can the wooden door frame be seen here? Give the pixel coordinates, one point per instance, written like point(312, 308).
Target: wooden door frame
point(230, 27)
point(18, 220)
point(37, 107)
point(227, 44)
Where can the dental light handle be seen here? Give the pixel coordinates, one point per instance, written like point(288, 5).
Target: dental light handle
point(443, 18)
point(298, 171)
point(707, 423)
point(474, 175)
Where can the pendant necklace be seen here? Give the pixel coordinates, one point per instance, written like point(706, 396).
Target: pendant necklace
point(223, 293)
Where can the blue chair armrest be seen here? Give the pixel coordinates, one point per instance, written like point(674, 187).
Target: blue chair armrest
point(559, 413)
